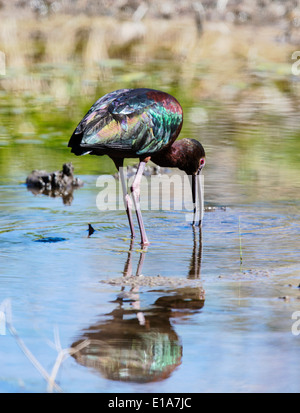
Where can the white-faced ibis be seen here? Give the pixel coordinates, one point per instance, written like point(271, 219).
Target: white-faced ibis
point(144, 124)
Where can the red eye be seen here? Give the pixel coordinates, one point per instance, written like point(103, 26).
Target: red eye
point(202, 162)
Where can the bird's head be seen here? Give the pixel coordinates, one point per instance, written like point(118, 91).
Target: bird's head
point(190, 157)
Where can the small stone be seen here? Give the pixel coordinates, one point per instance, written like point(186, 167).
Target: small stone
point(284, 297)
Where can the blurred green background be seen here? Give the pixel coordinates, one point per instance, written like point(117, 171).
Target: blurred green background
point(229, 63)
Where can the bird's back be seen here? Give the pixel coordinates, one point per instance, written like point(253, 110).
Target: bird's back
point(128, 122)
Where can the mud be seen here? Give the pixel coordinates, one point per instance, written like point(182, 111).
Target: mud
point(151, 281)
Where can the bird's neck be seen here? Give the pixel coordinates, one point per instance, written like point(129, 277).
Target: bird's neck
point(171, 157)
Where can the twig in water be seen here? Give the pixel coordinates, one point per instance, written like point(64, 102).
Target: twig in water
point(62, 355)
point(6, 306)
point(240, 237)
point(5, 316)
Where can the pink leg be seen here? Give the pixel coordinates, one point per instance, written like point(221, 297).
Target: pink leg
point(135, 189)
point(127, 201)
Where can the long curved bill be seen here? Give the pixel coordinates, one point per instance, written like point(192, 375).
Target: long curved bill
point(198, 198)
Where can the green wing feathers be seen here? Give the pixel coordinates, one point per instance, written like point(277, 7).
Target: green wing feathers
point(139, 120)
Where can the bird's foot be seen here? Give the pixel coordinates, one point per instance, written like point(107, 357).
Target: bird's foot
point(145, 243)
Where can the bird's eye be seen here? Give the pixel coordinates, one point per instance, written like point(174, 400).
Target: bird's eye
point(202, 162)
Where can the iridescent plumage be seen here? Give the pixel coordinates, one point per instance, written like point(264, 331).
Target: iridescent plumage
point(141, 123)
point(136, 122)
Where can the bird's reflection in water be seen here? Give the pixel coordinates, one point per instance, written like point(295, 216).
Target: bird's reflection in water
point(195, 265)
point(138, 344)
point(66, 194)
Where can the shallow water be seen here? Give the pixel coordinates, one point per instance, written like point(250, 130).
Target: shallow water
point(218, 316)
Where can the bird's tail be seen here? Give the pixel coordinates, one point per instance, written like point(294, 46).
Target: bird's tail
point(75, 144)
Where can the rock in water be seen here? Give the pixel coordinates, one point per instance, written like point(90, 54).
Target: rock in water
point(58, 183)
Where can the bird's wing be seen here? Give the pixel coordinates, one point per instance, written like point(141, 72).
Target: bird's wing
point(130, 120)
